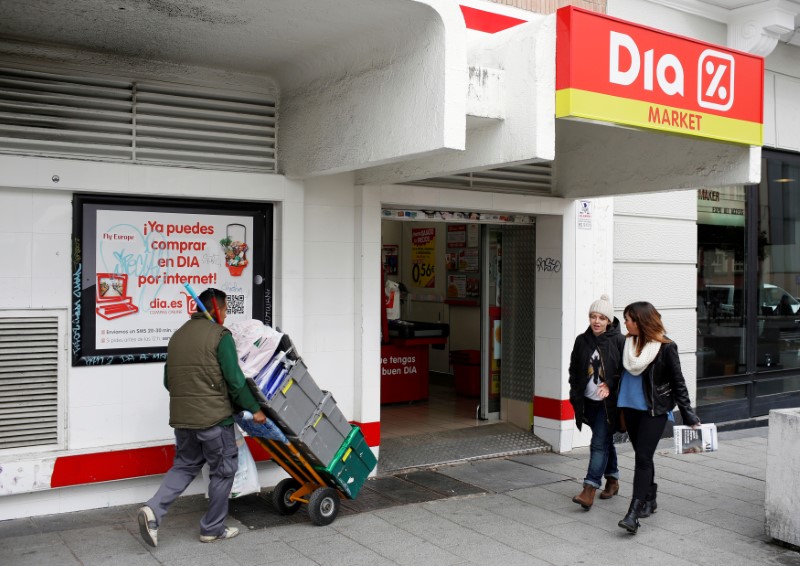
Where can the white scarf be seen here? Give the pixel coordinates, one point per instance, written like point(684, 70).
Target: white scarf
point(637, 364)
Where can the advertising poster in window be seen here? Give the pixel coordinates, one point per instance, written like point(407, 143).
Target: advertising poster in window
point(136, 263)
point(423, 257)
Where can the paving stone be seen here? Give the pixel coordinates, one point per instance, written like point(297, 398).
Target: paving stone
point(411, 551)
point(338, 551)
point(254, 551)
point(499, 475)
point(38, 556)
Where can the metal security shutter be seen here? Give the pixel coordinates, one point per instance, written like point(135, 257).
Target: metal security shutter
point(139, 122)
point(28, 381)
point(518, 314)
point(526, 178)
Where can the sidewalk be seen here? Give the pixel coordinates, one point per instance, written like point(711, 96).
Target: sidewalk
point(510, 511)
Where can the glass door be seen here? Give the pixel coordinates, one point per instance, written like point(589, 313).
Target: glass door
point(491, 330)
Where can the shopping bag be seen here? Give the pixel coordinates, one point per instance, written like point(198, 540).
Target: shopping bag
point(245, 481)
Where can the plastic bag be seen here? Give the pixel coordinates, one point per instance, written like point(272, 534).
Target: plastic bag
point(256, 343)
point(391, 293)
point(245, 481)
point(269, 430)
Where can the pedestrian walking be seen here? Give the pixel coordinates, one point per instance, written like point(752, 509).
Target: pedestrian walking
point(206, 386)
point(594, 371)
point(652, 384)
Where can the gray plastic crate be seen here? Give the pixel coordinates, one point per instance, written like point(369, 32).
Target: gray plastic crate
point(324, 434)
point(295, 400)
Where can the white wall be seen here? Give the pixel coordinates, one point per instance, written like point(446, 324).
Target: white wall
point(330, 257)
point(563, 300)
point(119, 406)
point(655, 257)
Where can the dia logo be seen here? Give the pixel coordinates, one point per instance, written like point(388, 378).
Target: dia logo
point(715, 80)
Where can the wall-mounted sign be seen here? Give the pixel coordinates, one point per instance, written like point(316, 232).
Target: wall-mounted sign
point(723, 207)
point(423, 257)
point(611, 70)
point(390, 252)
point(133, 257)
point(585, 215)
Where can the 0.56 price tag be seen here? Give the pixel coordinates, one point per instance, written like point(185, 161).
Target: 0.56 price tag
point(421, 272)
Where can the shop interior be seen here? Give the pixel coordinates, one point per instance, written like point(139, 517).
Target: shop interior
point(441, 286)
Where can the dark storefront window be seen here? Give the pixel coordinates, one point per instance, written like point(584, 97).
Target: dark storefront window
point(748, 294)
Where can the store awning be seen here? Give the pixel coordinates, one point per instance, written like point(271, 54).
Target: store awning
point(607, 114)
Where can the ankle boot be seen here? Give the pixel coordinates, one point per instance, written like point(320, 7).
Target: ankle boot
point(650, 504)
point(585, 498)
point(611, 489)
point(631, 520)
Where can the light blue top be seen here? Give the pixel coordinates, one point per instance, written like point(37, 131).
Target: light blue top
point(631, 394)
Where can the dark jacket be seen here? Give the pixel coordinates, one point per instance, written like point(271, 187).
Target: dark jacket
point(610, 345)
point(665, 387)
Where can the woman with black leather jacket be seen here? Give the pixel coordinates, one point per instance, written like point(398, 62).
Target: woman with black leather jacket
point(651, 385)
point(594, 372)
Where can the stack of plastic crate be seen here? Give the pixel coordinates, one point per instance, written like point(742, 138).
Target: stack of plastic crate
point(311, 420)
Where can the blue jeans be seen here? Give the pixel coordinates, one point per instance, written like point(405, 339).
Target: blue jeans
point(602, 454)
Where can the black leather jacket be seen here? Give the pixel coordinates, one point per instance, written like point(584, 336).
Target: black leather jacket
point(610, 345)
point(664, 386)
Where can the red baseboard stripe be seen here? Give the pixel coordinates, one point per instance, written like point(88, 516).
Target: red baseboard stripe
point(138, 462)
point(109, 466)
point(556, 409)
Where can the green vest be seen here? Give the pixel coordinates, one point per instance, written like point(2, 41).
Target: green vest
point(198, 394)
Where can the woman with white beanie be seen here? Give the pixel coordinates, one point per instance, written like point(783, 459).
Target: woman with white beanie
point(594, 371)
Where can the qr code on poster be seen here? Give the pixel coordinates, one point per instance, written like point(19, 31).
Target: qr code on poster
point(235, 304)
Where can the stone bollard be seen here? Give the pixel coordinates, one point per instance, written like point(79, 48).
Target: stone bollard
point(782, 498)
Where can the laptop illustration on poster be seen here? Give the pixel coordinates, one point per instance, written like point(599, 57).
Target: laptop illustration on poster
point(112, 296)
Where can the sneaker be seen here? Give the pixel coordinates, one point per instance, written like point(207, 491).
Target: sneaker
point(148, 526)
point(229, 532)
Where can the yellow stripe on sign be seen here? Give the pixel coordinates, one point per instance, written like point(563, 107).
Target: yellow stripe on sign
point(287, 386)
point(576, 103)
point(346, 455)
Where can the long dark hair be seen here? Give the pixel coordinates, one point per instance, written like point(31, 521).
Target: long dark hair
point(648, 319)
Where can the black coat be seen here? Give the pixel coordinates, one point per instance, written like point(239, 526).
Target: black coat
point(665, 387)
point(610, 345)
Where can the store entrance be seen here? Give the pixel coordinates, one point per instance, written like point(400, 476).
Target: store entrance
point(441, 353)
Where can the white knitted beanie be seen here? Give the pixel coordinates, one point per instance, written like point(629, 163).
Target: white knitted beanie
point(603, 306)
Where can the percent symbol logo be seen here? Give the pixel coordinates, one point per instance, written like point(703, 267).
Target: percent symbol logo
point(715, 80)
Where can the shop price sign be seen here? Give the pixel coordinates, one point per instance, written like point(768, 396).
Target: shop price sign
point(615, 71)
point(423, 257)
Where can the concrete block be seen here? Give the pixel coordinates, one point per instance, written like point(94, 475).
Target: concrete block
point(783, 476)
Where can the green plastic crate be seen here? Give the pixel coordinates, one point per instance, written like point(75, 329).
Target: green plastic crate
point(352, 464)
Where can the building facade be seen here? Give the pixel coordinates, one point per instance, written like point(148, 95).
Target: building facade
point(316, 135)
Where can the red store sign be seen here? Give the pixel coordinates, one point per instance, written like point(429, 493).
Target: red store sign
point(614, 71)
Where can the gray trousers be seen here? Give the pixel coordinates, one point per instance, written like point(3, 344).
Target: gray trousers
point(215, 445)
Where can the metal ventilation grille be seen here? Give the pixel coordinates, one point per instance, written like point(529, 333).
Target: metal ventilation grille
point(28, 381)
point(46, 113)
point(68, 116)
point(529, 179)
point(187, 126)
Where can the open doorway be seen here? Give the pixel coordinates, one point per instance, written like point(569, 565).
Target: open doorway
point(442, 358)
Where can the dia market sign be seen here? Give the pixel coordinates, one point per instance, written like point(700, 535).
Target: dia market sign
point(614, 71)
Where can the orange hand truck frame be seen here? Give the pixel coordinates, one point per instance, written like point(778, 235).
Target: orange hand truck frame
point(304, 486)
